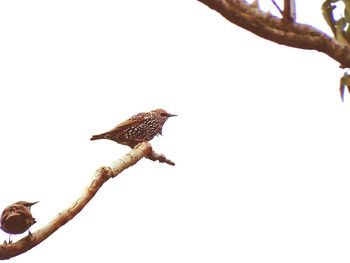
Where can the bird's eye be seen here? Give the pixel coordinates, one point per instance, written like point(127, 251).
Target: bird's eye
point(163, 114)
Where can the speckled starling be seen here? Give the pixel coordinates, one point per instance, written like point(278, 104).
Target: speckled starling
point(17, 218)
point(141, 127)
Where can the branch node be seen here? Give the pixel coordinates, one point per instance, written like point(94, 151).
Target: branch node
point(105, 172)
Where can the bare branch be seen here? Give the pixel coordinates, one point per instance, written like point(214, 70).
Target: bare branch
point(272, 28)
point(101, 176)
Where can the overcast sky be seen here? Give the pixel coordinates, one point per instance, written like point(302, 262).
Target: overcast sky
point(261, 142)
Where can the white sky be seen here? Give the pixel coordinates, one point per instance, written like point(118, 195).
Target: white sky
point(261, 143)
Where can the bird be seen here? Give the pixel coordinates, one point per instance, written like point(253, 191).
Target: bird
point(139, 128)
point(17, 218)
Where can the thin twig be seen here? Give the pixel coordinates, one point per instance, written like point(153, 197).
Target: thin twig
point(159, 157)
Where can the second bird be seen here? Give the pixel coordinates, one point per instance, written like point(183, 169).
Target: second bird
point(141, 127)
point(17, 218)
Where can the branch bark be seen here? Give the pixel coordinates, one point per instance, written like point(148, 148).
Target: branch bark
point(274, 29)
point(101, 176)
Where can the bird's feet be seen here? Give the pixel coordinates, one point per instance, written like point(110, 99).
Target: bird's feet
point(30, 235)
point(7, 243)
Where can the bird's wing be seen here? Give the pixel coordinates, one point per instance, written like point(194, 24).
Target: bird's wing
point(136, 119)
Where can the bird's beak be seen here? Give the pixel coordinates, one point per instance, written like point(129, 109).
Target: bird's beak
point(171, 115)
point(30, 204)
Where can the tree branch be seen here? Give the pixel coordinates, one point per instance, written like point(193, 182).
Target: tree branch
point(101, 176)
point(272, 28)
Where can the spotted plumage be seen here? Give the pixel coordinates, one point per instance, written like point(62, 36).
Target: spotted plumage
point(17, 218)
point(141, 127)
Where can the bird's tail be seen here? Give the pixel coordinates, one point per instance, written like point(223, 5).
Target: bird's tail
point(97, 137)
